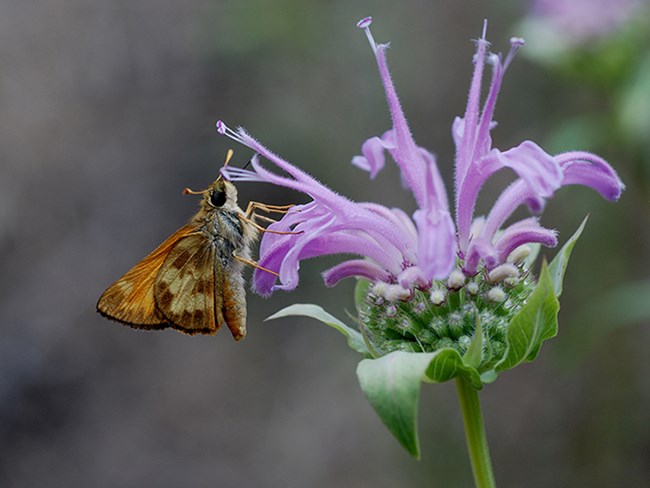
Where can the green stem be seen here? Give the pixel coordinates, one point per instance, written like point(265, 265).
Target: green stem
point(477, 444)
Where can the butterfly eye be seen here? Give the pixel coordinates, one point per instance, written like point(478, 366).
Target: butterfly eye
point(218, 198)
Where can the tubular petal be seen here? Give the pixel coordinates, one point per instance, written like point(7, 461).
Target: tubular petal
point(523, 232)
point(359, 268)
point(583, 168)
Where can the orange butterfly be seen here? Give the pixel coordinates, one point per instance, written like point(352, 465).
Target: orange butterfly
point(193, 281)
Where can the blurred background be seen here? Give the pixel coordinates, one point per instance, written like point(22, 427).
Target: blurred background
point(107, 111)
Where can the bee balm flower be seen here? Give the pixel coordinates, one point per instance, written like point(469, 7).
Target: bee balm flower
point(416, 258)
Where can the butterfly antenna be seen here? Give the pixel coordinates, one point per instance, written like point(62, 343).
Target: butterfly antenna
point(188, 191)
point(228, 158)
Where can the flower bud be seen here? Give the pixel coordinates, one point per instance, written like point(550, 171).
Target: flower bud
point(391, 293)
point(503, 271)
point(456, 279)
point(519, 254)
point(497, 295)
point(437, 297)
point(472, 288)
point(455, 324)
point(464, 342)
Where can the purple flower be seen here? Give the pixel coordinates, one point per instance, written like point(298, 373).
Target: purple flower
point(329, 224)
point(397, 252)
point(581, 21)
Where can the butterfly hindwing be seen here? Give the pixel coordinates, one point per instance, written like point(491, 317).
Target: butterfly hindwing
point(131, 298)
point(184, 288)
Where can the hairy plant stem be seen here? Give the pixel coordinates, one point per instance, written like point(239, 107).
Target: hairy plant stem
point(477, 444)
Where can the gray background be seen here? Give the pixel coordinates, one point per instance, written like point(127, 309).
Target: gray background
point(107, 112)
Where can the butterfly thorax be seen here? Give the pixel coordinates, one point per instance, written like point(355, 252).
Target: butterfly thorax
point(223, 222)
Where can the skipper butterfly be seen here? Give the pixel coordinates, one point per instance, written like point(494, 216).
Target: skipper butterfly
point(193, 281)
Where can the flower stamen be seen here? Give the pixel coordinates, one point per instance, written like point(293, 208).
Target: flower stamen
point(224, 130)
point(365, 25)
point(515, 44)
point(231, 173)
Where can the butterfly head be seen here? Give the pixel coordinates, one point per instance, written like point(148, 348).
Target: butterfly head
point(220, 194)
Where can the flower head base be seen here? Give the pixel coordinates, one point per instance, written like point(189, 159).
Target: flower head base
point(432, 280)
point(446, 316)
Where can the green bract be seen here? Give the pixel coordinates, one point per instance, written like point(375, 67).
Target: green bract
point(470, 336)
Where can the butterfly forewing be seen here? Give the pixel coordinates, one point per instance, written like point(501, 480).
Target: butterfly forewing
point(184, 289)
point(131, 298)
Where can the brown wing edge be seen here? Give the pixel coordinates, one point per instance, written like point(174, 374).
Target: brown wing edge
point(138, 326)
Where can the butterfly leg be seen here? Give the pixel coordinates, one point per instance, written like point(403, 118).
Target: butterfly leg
point(253, 206)
point(253, 264)
point(264, 218)
point(250, 219)
point(270, 231)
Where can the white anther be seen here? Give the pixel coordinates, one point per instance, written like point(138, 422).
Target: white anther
point(456, 279)
point(472, 288)
point(365, 22)
point(437, 297)
point(365, 25)
point(496, 295)
point(519, 254)
point(503, 271)
point(390, 292)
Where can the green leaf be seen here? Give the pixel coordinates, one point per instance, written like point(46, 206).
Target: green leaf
point(537, 320)
point(355, 339)
point(447, 364)
point(392, 385)
point(533, 324)
point(473, 354)
point(360, 294)
point(561, 260)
